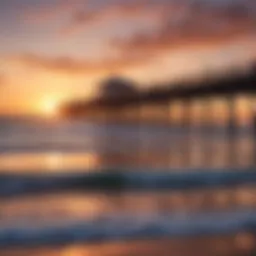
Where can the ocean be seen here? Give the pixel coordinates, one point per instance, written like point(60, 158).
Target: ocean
point(48, 145)
point(43, 147)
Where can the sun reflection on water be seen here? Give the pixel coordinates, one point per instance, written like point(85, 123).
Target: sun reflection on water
point(52, 161)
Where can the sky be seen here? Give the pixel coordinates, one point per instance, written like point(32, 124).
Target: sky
point(52, 51)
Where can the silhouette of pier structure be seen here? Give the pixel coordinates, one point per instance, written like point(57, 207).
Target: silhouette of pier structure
point(157, 106)
point(163, 96)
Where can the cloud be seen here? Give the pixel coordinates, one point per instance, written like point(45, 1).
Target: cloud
point(161, 12)
point(182, 24)
point(68, 65)
point(172, 16)
point(48, 12)
point(194, 25)
point(118, 11)
point(2, 79)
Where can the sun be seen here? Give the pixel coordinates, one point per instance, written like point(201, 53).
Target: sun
point(50, 107)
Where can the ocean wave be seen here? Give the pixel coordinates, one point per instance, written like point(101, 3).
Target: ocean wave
point(116, 180)
point(116, 228)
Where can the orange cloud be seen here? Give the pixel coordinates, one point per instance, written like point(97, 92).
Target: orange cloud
point(69, 65)
point(2, 79)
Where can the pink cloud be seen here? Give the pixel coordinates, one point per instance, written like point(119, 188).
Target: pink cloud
point(81, 19)
point(46, 13)
point(193, 26)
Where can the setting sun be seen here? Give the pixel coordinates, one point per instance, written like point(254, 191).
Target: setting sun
point(50, 107)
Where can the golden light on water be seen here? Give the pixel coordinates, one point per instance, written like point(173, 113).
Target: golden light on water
point(48, 162)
